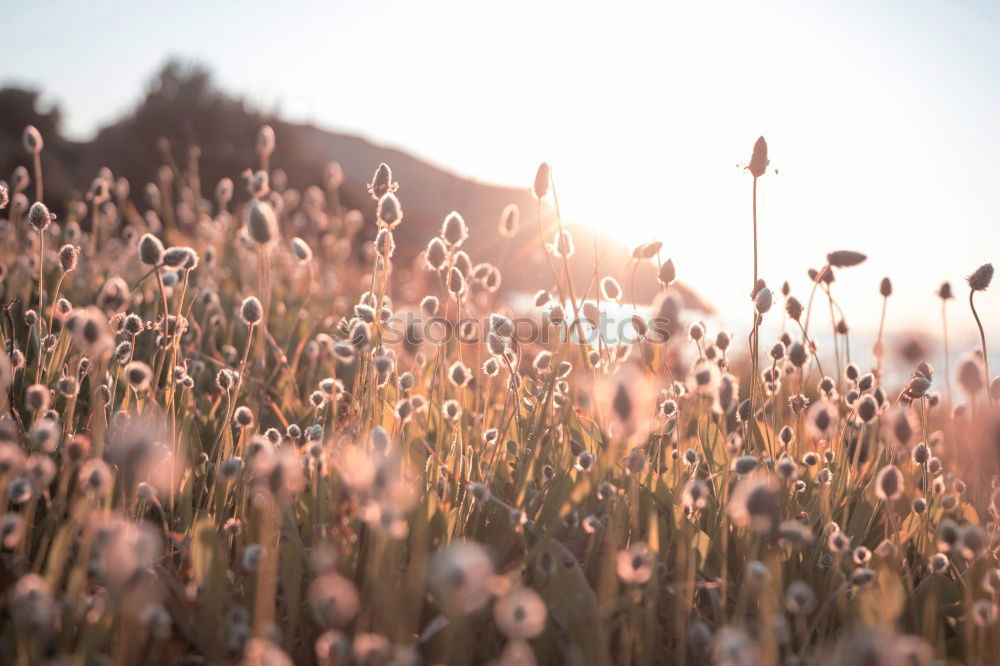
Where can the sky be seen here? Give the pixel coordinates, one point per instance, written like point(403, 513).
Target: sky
point(880, 116)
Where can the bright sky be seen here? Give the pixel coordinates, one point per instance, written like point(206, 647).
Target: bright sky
point(881, 116)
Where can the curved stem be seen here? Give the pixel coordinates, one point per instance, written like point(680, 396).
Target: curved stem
point(982, 339)
point(812, 294)
point(55, 299)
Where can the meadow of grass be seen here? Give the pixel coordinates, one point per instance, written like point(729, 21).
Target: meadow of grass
point(230, 434)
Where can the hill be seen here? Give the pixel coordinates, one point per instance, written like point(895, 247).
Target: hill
point(183, 111)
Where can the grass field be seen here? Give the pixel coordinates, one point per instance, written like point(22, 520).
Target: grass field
point(226, 439)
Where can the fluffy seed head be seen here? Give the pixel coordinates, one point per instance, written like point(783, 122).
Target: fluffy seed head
point(37, 398)
point(562, 245)
point(69, 256)
point(610, 289)
point(32, 140)
point(251, 310)
point(453, 229)
point(436, 254)
point(793, 307)
point(224, 191)
point(889, 483)
point(385, 243)
point(456, 282)
point(389, 212)
point(261, 221)
point(382, 182)
point(971, 375)
point(301, 250)
point(763, 300)
point(265, 140)
point(138, 375)
point(180, 257)
point(40, 218)
point(981, 277)
point(510, 221)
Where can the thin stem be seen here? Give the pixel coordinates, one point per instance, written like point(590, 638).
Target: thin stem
point(231, 407)
point(982, 339)
point(55, 299)
point(754, 234)
point(947, 371)
point(755, 334)
point(41, 303)
point(879, 351)
point(38, 175)
point(836, 346)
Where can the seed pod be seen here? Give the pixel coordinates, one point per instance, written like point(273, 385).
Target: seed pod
point(382, 182)
point(758, 161)
point(889, 483)
point(610, 289)
point(37, 398)
point(978, 281)
point(970, 374)
point(917, 387)
point(333, 175)
point(69, 255)
point(301, 250)
point(360, 335)
point(562, 245)
point(151, 250)
point(138, 375)
point(40, 218)
point(243, 417)
point(793, 307)
point(385, 243)
point(265, 140)
point(224, 191)
point(867, 408)
point(436, 254)
point(845, 258)
point(180, 257)
point(763, 300)
point(32, 140)
point(667, 273)
point(647, 250)
point(885, 287)
point(262, 223)
point(429, 305)
point(459, 374)
point(797, 354)
point(510, 221)
point(453, 230)
point(542, 180)
point(251, 310)
point(456, 282)
point(639, 324)
point(389, 212)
